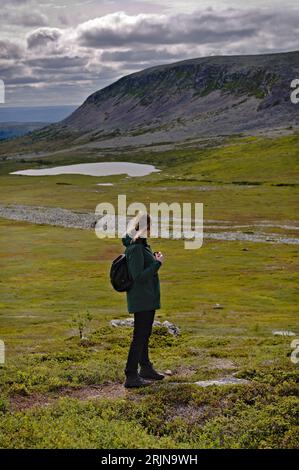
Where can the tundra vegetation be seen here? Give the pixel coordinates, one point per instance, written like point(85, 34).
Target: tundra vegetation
point(50, 275)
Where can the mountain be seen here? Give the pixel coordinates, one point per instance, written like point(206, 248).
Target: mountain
point(198, 97)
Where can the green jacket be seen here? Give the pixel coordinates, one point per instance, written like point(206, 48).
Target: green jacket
point(143, 267)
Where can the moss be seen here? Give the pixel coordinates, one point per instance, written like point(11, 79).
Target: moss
point(257, 84)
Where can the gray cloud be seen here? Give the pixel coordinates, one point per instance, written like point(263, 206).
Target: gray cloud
point(56, 60)
point(42, 36)
point(61, 62)
point(23, 18)
point(33, 18)
point(119, 29)
point(135, 55)
point(14, 2)
point(10, 50)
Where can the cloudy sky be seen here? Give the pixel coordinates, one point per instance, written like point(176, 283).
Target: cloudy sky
point(59, 51)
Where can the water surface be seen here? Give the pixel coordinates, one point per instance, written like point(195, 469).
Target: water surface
point(93, 169)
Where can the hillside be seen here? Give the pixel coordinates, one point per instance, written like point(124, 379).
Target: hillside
point(214, 95)
point(203, 97)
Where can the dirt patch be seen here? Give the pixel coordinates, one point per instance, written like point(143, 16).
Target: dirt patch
point(109, 390)
point(184, 371)
point(223, 364)
point(192, 414)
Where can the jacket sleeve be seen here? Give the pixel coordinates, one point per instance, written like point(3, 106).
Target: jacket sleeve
point(136, 265)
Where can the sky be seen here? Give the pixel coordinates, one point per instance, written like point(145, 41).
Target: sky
point(56, 52)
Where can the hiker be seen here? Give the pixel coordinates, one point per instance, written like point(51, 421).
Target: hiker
point(143, 299)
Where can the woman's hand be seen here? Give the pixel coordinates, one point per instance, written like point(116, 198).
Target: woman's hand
point(159, 257)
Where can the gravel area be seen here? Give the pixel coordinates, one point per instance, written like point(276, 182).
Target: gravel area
point(87, 220)
point(49, 215)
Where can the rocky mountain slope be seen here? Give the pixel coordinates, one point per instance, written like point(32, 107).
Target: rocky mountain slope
point(211, 96)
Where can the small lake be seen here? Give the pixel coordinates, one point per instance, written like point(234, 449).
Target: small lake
point(93, 169)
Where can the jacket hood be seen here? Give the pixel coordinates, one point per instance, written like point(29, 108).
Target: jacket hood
point(126, 240)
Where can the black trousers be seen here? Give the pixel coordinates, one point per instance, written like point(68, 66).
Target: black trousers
point(138, 352)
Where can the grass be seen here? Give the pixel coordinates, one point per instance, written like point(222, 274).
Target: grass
point(231, 172)
point(51, 274)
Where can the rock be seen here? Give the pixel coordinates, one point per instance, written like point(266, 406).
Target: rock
point(129, 322)
point(217, 307)
point(283, 333)
point(168, 372)
point(221, 382)
point(173, 329)
point(126, 322)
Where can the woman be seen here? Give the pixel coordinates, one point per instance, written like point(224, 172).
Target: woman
point(143, 299)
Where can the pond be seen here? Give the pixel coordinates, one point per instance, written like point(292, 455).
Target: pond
point(93, 169)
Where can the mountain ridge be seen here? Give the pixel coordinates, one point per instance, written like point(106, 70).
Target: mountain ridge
point(183, 90)
point(185, 100)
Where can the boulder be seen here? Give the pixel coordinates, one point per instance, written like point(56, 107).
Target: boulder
point(129, 322)
point(283, 333)
point(221, 382)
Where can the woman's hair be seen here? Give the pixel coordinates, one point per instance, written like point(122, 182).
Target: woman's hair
point(138, 226)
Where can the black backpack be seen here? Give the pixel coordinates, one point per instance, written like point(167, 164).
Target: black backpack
point(119, 274)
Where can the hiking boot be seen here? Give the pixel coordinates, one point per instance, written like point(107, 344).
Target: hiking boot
point(148, 372)
point(134, 381)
